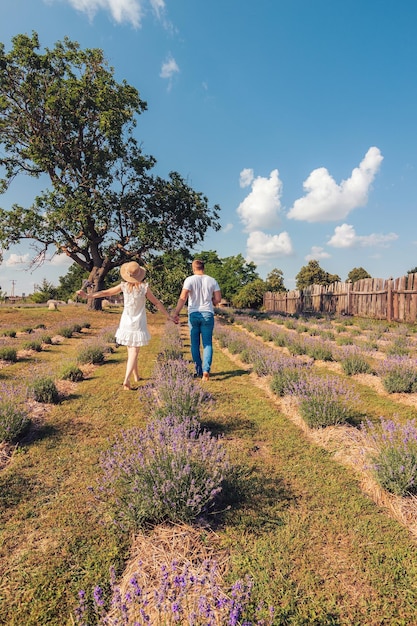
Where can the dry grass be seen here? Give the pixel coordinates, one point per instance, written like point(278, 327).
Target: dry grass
point(183, 545)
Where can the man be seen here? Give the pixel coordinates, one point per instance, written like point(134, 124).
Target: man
point(203, 293)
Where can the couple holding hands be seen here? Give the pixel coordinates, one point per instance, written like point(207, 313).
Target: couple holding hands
point(201, 291)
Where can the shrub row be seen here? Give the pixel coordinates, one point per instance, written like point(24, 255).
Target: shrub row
point(324, 401)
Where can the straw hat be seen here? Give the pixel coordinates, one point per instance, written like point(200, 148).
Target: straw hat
point(132, 272)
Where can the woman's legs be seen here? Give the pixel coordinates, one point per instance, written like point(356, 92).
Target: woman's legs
point(131, 365)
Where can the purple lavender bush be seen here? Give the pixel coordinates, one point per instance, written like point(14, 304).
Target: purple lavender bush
point(353, 361)
point(182, 596)
point(172, 470)
point(173, 346)
point(174, 391)
point(285, 377)
point(393, 459)
point(399, 374)
point(324, 401)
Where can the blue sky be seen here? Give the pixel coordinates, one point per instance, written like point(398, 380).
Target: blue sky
point(297, 117)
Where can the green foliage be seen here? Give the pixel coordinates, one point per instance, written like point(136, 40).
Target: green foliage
point(13, 420)
point(91, 354)
point(283, 379)
point(320, 352)
point(72, 373)
point(166, 274)
point(71, 282)
point(8, 333)
point(324, 401)
point(275, 281)
point(35, 345)
point(400, 380)
point(44, 292)
point(43, 389)
point(355, 364)
point(251, 296)
point(65, 331)
point(399, 347)
point(8, 354)
point(232, 273)
point(357, 273)
point(313, 274)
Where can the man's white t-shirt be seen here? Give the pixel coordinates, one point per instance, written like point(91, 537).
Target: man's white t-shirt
point(200, 289)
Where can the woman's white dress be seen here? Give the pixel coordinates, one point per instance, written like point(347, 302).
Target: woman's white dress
point(133, 328)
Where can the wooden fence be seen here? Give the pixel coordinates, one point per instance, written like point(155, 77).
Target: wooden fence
point(393, 299)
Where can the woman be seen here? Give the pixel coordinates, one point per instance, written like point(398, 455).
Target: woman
point(133, 329)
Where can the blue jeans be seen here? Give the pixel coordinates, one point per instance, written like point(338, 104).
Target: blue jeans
point(201, 326)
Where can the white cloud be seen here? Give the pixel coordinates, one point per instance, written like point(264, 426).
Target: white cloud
point(345, 237)
point(158, 7)
point(121, 10)
point(169, 68)
point(260, 209)
point(59, 260)
point(262, 247)
point(325, 200)
point(316, 254)
point(226, 228)
point(246, 177)
point(17, 259)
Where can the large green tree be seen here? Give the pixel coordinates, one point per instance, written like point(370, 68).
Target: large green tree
point(251, 296)
point(275, 281)
point(63, 117)
point(357, 273)
point(44, 292)
point(313, 274)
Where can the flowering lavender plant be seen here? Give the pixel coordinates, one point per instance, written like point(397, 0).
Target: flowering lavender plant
point(394, 454)
point(173, 346)
point(181, 596)
point(43, 389)
point(92, 352)
point(353, 361)
point(399, 374)
point(323, 401)
point(285, 378)
point(174, 391)
point(171, 470)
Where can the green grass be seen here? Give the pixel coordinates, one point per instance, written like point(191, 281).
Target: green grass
point(318, 548)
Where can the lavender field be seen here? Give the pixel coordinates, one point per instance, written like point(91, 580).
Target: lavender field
point(283, 492)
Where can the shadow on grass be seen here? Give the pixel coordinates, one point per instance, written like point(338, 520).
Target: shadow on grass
point(14, 488)
point(37, 432)
point(252, 499)
point(229, 424)
point(356, 419)
point(228, 374)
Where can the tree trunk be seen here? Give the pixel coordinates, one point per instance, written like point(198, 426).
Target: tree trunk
point(96, 279)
